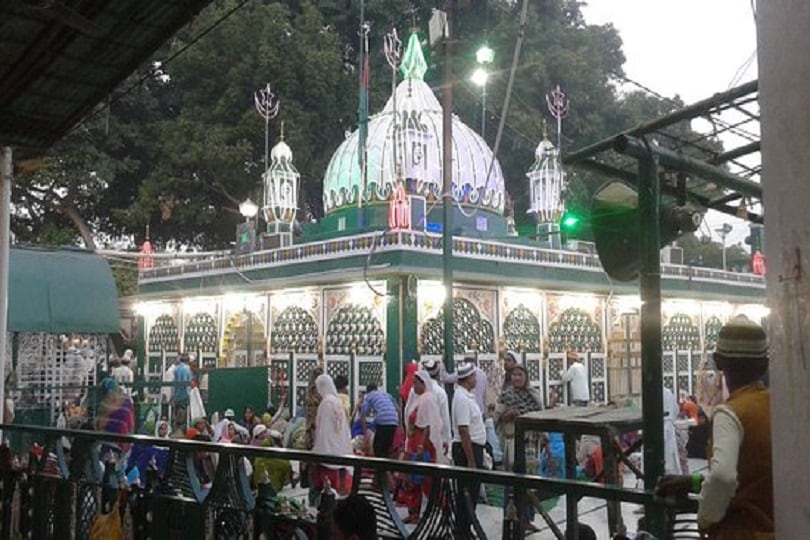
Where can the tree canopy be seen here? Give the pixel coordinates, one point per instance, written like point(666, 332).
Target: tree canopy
point(183, 145)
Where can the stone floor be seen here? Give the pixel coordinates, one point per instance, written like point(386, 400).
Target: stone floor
point(592, 512)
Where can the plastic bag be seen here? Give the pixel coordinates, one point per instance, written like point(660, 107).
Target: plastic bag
point(196, 407)
point(107, 526)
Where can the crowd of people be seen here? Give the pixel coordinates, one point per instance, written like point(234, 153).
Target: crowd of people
point(465, 419)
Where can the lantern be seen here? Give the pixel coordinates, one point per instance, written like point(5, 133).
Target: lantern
point(281, 181)
point(546, 182)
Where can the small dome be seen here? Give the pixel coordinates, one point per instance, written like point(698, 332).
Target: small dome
point(544, 148)
point(281, 152)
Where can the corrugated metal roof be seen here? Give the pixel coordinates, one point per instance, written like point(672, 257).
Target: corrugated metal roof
point(59, 58)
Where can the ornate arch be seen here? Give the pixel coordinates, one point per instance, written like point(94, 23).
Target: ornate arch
point(201, 333)
point(712, 330)
point(471, 330)
point(163, 335)
point(680, 334)
point(354, 328)
point(521, 329)
point(294, 330)
point(575, 329)
point(243, 328)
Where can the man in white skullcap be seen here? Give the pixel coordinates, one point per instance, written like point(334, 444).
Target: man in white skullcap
point(123, 374)
point(470, 437)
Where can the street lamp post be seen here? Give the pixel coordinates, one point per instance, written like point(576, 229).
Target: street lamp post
point(723, 231)
point(246, 232)
point(484, 56)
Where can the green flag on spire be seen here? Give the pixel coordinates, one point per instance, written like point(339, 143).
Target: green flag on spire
point(413, 63)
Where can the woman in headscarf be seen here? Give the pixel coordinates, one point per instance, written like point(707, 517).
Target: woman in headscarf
point(424, 436)
point(272, 471)
point(517, 399)
point(116, 415)
point(332, 435)
point(313, 401)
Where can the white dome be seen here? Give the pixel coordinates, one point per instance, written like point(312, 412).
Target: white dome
point(417, 136)
point(281, 152)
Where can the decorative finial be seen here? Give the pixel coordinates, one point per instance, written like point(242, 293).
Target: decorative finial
point(414, 65)
point(282, 130)
point(558, 105)
point(392, 46)
point(147, 232)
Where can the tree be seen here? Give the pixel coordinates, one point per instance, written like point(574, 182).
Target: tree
point(181, 148)
point(705, 252)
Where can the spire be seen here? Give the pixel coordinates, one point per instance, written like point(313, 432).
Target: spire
point(413, 63)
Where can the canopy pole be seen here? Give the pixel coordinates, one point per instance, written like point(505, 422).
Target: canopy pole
point(5, 239)
point(652, 404)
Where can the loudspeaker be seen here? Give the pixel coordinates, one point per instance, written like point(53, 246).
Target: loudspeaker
point(616, 227)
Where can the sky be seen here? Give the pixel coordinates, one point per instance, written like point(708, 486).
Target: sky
point(689, 48)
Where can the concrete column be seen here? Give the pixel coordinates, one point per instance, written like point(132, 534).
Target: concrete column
point(6, 171)
point(784, 82)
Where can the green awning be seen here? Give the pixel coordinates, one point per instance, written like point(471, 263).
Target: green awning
point(61, 291)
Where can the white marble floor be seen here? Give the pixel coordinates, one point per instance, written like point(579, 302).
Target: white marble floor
point(592, 512)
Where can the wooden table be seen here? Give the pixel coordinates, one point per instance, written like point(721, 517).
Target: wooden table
point(573, 422)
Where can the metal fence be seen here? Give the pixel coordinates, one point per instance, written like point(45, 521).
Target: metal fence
point(54, 495)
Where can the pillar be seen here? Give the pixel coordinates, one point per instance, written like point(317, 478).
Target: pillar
point(784, 98)
point(401, 327)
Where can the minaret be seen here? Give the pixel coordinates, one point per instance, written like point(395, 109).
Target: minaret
point(546, 182)
point(281, 186)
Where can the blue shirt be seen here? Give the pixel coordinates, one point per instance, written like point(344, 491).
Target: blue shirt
point(385, 412)
point(182, 374)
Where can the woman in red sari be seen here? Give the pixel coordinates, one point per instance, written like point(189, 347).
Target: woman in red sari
point(407, 382)
point(424, 429)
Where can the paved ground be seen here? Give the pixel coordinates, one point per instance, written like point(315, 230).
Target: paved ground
point(592, 512)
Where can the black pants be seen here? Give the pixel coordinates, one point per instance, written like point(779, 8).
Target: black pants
point(469, 488)
point(384, 440)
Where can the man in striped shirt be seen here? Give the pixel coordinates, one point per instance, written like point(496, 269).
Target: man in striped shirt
point(386, 419)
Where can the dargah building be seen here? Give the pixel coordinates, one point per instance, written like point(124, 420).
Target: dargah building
point(361, 289)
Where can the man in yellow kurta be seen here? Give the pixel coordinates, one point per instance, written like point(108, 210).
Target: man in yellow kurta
point(736, 496)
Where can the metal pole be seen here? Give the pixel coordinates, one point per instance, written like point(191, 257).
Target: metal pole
point(447, 192)
point(6, 172)
point(484, 111)
point(651, 369)
point(687, 113)
point(362, 114)
point(266, 144)
point(636, 148)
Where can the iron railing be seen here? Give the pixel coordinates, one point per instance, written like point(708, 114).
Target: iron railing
point(60, 496)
